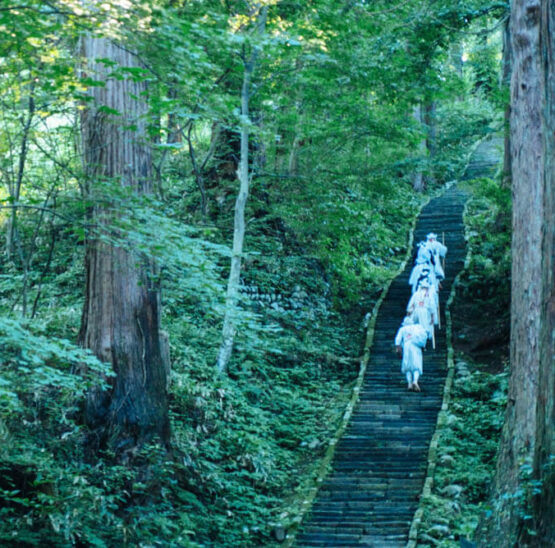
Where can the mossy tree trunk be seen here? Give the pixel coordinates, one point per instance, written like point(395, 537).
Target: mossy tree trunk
point(121, 315)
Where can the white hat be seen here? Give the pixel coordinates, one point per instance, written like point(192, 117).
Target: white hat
point(424, 283)
point(431, 236)
point(407, 321)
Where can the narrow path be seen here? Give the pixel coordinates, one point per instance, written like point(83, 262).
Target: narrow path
point(379, 467)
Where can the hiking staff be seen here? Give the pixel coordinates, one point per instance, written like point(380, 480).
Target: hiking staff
point(443, 258)
point(433, 338)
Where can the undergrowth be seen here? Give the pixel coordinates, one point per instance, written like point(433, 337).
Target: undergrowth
point(246, 446)
point(467, 448)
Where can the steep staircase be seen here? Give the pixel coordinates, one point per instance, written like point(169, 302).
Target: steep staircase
point(379, 467)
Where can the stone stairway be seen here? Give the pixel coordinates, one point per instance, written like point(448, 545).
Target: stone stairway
point(485, 159)
point(371, 494)
point(380, 463)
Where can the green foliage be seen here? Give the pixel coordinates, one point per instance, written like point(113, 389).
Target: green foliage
point(489, 237)
point(466, 456)
point(36, 365)
point(43, 382)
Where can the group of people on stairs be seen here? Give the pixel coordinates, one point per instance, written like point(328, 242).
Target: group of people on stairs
point(422, 315)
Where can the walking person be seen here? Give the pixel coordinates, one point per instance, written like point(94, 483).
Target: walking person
point(409, 341)
point(420, 272)
point(422, 308)
point(437, 251)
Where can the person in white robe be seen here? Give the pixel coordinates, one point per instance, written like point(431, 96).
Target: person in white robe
point(433, 284)
point(409, 341)
point(424, 253)
point(434, 293)
point(422, 308)
point(437, 251)
point(422, 272)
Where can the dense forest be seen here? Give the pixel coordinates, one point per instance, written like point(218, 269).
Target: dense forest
point(201, 201)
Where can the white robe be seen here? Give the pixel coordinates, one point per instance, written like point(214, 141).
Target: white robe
point(438, 250)
point(412, 338)
point(424, 254)
point(418, 271)
point(435, 302)
point(423, 309)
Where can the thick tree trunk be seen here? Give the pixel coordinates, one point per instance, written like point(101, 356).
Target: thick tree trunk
point(524, 479)
point(544, 465)
point(121, 315)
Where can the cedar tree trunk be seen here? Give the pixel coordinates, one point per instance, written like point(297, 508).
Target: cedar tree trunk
point(121, 315)
point(418, 183)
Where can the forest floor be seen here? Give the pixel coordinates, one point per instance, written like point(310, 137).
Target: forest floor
point(482, 337)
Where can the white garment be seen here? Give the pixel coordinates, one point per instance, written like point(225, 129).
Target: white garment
point(412, 338)
point(412, 376)
point(422, 309)
point(424, 254)
point(435, 302)
point(421, 271)
point(437, 250)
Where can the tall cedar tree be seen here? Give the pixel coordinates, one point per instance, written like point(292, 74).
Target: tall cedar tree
point(121, 315)
point(523, 503)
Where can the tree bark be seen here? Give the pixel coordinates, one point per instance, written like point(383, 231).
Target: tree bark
point(544, 465)
point(430, 119)
point(506, 81)
point(418, 183)
point(121, 314)
point(523, 488)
